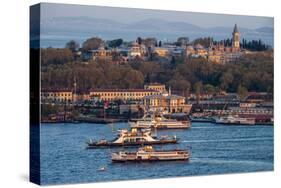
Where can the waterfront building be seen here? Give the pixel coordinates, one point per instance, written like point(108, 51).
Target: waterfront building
point(122, 94)
point(256, 97)
point(166, 102)
point(56, 95)
point(156, 86)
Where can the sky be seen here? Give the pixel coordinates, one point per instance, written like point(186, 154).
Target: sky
point(129, 15)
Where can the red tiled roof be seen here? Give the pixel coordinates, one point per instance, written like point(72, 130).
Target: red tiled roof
point(56, 90)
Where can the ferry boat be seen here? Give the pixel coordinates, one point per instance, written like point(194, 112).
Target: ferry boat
point(159, 122)
point(133, 138)
point(201, 117)
point(147, 153)
point(206, 119)
point(235, 120)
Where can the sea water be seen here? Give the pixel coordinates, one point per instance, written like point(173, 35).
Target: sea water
point(215, 149)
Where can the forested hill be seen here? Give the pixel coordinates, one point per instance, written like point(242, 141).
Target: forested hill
point(253, 72)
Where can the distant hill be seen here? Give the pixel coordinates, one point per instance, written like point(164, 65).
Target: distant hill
point(265, 30)
point(56, 31)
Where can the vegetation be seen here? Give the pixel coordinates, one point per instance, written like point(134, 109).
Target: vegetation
point(182, 41)
point(56, 56)
point(92, 44)
point(254, 72)
point(72, 45)
point(252, 45)
point(115, 43)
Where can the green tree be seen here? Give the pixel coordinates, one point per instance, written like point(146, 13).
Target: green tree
point(225, 80)
point(209, 89)
point(115, 43)
point(182, 41)
point(242, 92)
point(72, 45)
point(55, 56)
point(150, 42)
point(92, 44)
point(198, 86)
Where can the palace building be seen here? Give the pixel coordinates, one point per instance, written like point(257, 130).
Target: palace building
point(166, 102)
point(221, 54)
point(56, 95)
point(137, 50)
point(122, 94)
point(156, 86)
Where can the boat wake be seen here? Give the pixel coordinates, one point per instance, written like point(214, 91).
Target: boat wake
point(228, 140)
point(225, 161)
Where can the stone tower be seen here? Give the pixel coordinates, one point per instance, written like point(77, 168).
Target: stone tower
point(235, 38)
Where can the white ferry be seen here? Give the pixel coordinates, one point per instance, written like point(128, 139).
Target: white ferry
point(147, 153)
point(235, 120)
point(159, 122)
point(132, 138)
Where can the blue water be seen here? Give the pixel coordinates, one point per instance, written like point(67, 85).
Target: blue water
point(215, 149)
point(59, 39)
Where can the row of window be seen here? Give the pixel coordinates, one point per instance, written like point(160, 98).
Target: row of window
point(124, 94)
point(56, 94)
point(157, 88)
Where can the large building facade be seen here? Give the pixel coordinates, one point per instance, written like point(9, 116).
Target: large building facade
point(166, 103)
point(121, 94)
point(218, 53)
point(156, 86)
point(56, 95)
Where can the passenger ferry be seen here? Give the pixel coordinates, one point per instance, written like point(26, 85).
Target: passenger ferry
point(160, 122)
point(133, 138)
point(147, 153)
point(235, 120)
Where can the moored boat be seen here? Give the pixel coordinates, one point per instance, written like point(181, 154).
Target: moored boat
point(207, 119)
point(147, 153)
point(133, 138)
point(235, 120)
point(159, 122)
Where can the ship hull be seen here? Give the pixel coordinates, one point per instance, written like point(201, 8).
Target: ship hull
point(148, 160)
point(184, 125)
point(151, 156)
point(112, 144)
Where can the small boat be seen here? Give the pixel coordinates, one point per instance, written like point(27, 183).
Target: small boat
point(235, 120)
point(147, 153)
point(132, 138)
point(159, 122)
point(102, 169)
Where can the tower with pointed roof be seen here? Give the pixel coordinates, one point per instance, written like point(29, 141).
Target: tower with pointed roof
point(235, 38)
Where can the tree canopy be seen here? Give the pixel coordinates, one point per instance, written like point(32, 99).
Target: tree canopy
point(92, 44)
point(253, 72)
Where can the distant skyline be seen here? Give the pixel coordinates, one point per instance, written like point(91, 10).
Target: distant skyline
point(130, 15)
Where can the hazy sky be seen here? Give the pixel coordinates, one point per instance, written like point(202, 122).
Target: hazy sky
point(127, 15)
